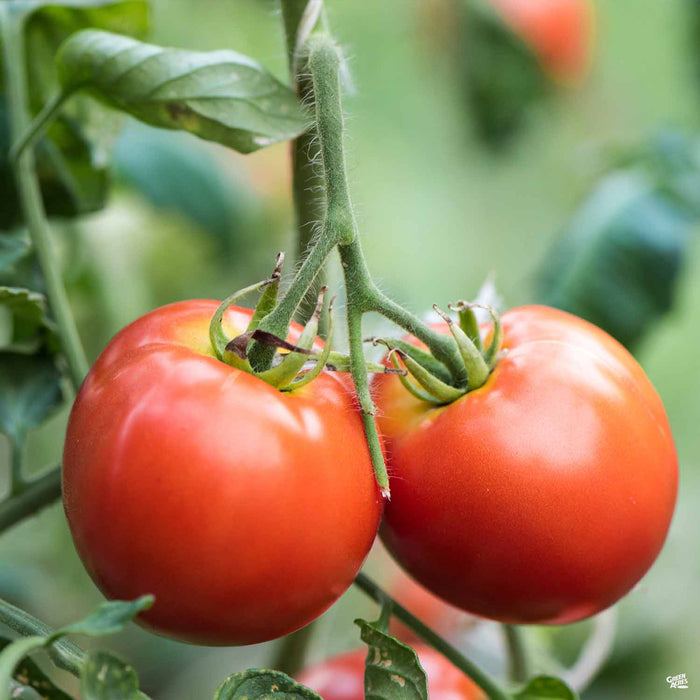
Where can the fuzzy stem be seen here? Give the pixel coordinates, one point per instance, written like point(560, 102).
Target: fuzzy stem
point(358, 371)
point(488, 684)
point(31, 201)
point(35, 495)
point(307, 180)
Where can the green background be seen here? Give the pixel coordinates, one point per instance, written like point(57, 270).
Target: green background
point(438, 213)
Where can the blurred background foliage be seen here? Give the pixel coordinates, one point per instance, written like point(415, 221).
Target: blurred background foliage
point(593, 207)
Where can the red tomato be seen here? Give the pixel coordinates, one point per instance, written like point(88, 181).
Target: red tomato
point(542, 497)
point(342, 677)
point(560, 32)
point(246, 511)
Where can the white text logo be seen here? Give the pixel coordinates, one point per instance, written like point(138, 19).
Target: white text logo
point(680, 681)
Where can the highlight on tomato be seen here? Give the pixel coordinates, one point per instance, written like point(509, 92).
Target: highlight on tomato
point(342, 677)
point(246, 510)
point(542, 496)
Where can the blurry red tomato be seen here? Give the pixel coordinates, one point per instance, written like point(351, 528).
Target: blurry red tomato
point(560, 32)
point(342, 677)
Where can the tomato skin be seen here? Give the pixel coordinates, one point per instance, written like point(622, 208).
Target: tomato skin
point(342, 677)
point(246, 511)
point(542, 497)
point(560, 32)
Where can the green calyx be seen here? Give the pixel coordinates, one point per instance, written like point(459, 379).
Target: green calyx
point(294, 364)
point(432, 382)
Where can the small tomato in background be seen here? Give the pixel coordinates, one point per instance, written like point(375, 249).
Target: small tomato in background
point(246, 511)
point(545, 495)
point(342, 677)
point(560, 32)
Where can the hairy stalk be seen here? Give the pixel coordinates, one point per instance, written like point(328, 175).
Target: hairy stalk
point(31, 201)
point(519, 668)
point(340, 226)
point(488, 684)
point(35, 495)
point(358, 370)
point(307, 181)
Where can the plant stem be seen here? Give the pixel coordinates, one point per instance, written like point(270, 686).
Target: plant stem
point(442, 346)
point(307, 180)
point(290, 653)
point(65, 654)
point(517, 653)
point(18, 483)
point(488, 684)
point(595, 651)
point(38, 126)
point(31, 201)
point(36, 495)
point(358, 370)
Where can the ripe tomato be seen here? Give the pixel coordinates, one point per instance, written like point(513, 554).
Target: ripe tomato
point(246, 511)
point(560, 32)
point(342, 677)
point(545, 495)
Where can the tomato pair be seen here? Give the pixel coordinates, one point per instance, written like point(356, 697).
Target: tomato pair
point(541, 497)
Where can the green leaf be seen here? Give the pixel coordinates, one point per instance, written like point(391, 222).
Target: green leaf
point(110, 617)
point(392, 671)
point(71, 158)
point(31, 678)
point(255, 684)
point(106, 677)
point(220, 96)
point(30, 390)
point(618, 262)
point(542, 687)
point(25, 304)
point(502, 75)
point(31, 324)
